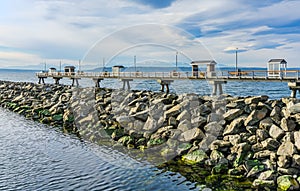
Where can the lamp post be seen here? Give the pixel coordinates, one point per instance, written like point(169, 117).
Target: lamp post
point(176, 58)
point(134, 61)
point(79, 65)
point(59, 66)
point(236, 61)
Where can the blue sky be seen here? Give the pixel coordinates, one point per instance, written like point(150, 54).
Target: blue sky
point(37, 31)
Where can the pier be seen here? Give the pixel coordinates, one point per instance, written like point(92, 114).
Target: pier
point(166, 78)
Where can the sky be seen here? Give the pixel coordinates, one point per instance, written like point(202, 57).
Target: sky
point(101, 32)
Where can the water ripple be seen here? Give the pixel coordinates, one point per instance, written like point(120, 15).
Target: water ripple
point(37, 157)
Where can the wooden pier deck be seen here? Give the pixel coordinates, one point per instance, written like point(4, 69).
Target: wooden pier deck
point(165, 78)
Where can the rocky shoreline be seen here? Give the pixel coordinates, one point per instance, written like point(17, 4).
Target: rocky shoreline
point(254, 137)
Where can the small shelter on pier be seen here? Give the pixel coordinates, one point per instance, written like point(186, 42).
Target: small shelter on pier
point(210, 68)
point(52, 70)
point(70, 70)
point(117, 69)
point(277, 67)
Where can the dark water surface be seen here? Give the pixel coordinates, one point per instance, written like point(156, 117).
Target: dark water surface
point(36, 157)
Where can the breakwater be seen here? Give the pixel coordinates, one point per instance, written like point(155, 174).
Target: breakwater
point(252, 137)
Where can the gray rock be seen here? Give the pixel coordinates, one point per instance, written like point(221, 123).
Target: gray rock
point(184, 115)
point(184, 125)
point(206, 142)
point(297, 139)
point(143, 115)
point(150, 125)
point(284, 161)
point(276, 132)
point(213, 128)
point(236, 126)
point(258, 183)
point(287, 124)
point(294, 108)
point(198, 121)
point(285, 112)
point(255, 116)
point(252, 139)
point(256, 99)
point(213, 117)
point(263, 154)
point(251, 129)
point(270, 144)
point(156, 111)
point(191, 134)
point(240, 148)
point(233, 139)
point(267, 175)
point(217, 144)
point(296, 160)
point(261, 134)
point(266, 123)
point(276, 114)
point(172, 121)
point(289, 136)
point(124, 120)
point(174, 111)
point(286, 148)
point(232, 114)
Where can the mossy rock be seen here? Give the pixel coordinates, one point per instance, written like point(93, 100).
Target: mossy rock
point(286, 182)
point(45, 112)
point(57, 117)
point(219, 169)
point(126, 140)
point(153, 142)
point(197, 156)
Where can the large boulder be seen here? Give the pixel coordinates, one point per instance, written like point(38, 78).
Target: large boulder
point(191, 134)
point(232, 114)
point(276, 132)
point(256, 99)
point(213, 128)
point(197, 156)
point(236, 126)
point(256, 116)
point(287, 124)
point(294, 108)
point(286, 148)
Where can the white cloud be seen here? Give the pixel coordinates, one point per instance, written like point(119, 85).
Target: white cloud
point(53, 30)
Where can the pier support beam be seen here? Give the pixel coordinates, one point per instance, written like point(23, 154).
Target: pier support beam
point(56, 80)
point(126, 81)
point(164, 83)
point(217, 87)
point(75, 80)
point(294, 86)
point(97, 82)
point(41, 80)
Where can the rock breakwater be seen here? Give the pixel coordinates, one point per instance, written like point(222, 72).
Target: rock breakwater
point(253, 137)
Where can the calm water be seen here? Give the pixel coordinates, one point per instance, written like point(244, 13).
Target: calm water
point(36, 157)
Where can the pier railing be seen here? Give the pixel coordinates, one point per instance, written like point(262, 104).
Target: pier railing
point(261, 75)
